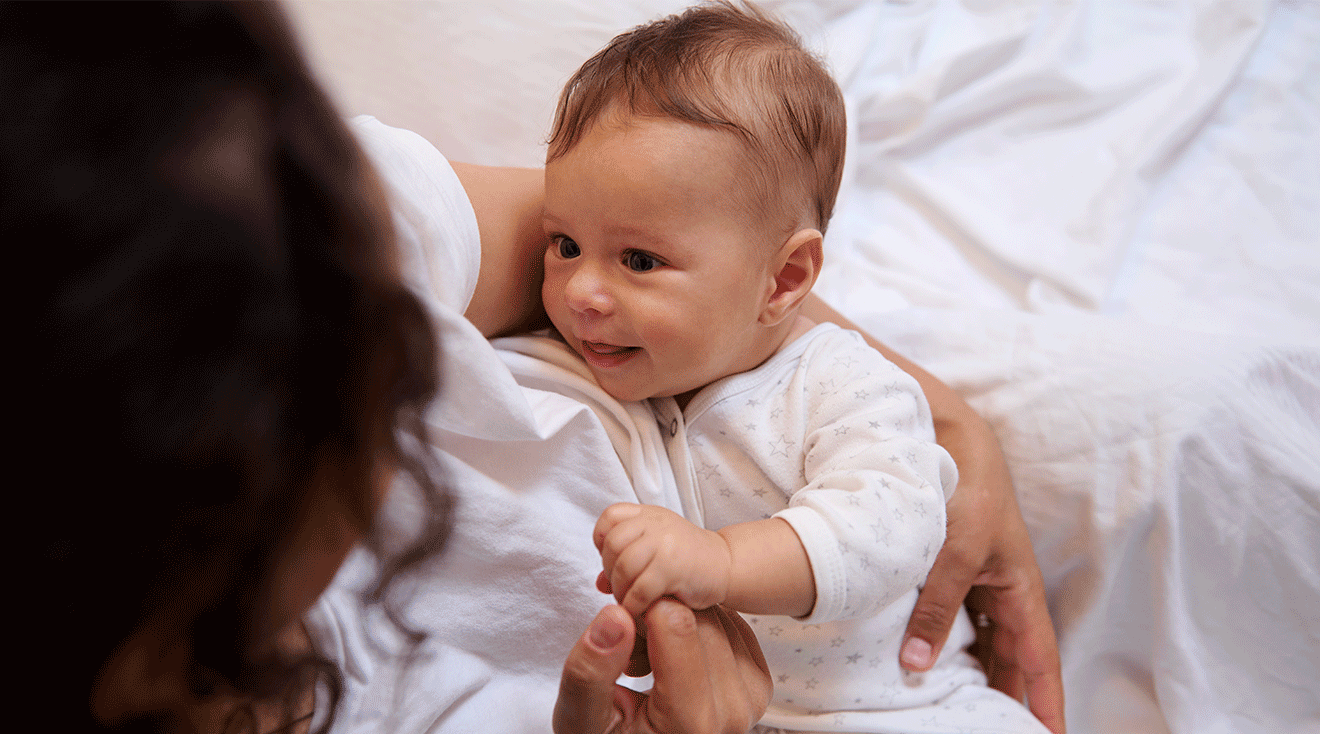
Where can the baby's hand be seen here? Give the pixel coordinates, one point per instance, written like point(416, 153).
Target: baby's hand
point(649, 552)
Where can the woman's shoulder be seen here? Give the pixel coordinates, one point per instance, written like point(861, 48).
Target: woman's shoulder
point(434, 222)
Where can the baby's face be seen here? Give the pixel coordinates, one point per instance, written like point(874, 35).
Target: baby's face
point(654, 271)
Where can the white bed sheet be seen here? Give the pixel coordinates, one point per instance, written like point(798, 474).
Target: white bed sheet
point(1100, 221)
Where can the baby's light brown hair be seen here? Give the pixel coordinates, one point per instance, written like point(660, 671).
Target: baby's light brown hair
point(732, 68)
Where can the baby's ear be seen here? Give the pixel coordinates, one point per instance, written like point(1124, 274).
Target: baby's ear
point(797, 266)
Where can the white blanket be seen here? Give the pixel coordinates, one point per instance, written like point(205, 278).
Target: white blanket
point(1098, 221)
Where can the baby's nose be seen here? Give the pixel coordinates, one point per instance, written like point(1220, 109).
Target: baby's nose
point(586, 291)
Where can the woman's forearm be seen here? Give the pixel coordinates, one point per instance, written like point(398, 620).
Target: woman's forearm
point(508, 203)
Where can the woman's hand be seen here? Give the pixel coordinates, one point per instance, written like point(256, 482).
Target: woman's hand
point(710, 675)
point(988, 552)
point(987, 560)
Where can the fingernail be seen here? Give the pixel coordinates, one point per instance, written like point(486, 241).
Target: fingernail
point(916, 653)
point(681, 621)
point(605, 633)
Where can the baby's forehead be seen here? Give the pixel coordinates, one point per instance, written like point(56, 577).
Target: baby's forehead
point(762, 187)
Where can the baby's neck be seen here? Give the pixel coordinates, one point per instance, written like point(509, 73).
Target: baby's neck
point(799, 326)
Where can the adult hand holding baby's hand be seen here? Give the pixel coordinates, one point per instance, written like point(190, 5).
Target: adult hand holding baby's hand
point(709, 673)
point(649, 552)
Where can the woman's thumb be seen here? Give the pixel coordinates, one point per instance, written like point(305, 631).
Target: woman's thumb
point(586, 702)
point(937, 606)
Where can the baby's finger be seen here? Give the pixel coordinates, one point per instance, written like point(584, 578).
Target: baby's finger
point(645, 590)
point(620, 538)
point(603, 583)
point(612, 516)
point(627, 569)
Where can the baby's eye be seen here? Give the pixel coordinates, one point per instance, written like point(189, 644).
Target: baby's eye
point(568, 249)
point(640, 261)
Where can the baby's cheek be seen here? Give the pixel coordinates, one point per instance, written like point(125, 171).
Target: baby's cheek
point(663, 328)
point(552, 297)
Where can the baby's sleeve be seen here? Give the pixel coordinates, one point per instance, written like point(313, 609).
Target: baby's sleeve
point(871, 516)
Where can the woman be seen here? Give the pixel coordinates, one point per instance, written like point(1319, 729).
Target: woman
point(220, 316)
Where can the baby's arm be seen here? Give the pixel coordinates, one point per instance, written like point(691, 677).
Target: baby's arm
point(872, 512)
point(759, 567)
point(873, 501)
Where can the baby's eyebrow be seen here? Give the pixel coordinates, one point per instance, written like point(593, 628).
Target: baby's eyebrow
point(624, 231)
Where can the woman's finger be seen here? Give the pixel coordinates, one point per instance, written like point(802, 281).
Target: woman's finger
point(682, 691)
point(640, 663)
point(1045, 694)
point(1022, 659)
point(709, 673)
point(753, 670)
point(588, 701)
point(1032, 650)
point(938, 605)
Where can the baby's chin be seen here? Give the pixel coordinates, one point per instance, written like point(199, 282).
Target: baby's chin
point(624, 394)
point(627, 393)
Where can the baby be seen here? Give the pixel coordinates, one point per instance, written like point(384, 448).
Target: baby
point(691, 173)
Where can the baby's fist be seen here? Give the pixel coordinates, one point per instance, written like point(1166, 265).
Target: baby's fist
point(649, 552)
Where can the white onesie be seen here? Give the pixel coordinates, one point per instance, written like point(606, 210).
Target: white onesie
point(836, 440)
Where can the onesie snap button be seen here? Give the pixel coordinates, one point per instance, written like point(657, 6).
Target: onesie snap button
point(673, 428)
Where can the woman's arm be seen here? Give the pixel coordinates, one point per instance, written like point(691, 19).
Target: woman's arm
point(508, 204)
point(987, 552)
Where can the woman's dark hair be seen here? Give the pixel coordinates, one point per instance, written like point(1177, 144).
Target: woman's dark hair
point(212, 339)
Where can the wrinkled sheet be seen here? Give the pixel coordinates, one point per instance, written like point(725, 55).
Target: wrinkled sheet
point(1100, 222)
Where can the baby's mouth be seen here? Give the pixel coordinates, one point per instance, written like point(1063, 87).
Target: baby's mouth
point(600, 354)
point(604, 349)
